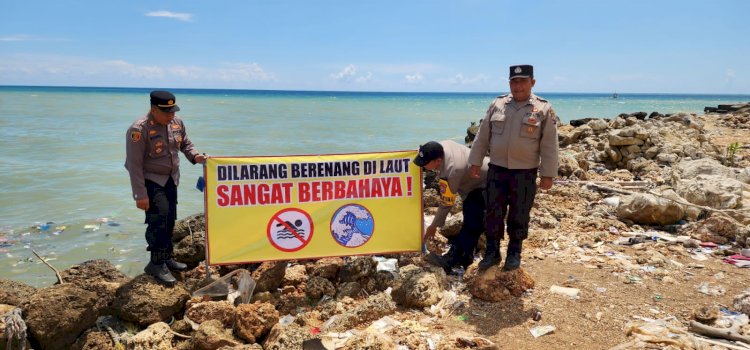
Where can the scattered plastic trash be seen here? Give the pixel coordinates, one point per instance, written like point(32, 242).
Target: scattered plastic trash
point(93, 228)
point(600, 289)
point(4, 242)
point(612, 202)
point(613, 229)
point(286, 320)
point(571, 292)
point(738, 260)
point(200, 184)
point(384, 324)
point(539, 331)
point(328, 323)
point(59, 230)
point(443, 307)
point(699, 257)
point(45, 227)
point(240, 288)
point(745, 253)
point(708, 289)
point(634, 279)
point(390, 265)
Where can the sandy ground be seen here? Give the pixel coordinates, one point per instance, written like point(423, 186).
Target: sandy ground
point(665, 281)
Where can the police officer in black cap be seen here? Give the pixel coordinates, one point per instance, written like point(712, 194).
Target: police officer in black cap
point(153, 144)
point(451, 161)
point(520, 132)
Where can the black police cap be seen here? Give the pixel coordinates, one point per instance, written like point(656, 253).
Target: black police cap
point(165, 100)
point(521, 71)
point(428, 152)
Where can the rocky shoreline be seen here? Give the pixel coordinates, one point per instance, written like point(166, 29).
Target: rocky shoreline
point(647, 211)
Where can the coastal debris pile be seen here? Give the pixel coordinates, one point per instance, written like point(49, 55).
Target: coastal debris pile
point(641, 242)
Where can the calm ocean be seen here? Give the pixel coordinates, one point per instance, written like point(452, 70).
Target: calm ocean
point(64, 148)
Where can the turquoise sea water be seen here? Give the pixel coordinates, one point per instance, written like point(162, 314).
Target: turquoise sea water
point(63, 151)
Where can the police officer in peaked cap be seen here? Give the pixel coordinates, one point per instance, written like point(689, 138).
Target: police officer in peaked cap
point(520, 132)
point(153, 143)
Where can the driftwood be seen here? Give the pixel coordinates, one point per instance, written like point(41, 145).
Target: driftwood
point(720, 211)
point(59, 278)
point(723, 343)
point(713, 332)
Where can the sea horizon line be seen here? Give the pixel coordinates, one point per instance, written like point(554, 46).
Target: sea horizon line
point(191, 89)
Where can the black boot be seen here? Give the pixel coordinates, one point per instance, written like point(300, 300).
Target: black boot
point(159, 270)
point(438, 260)
point(175, 265)
point(466, 259)
point(492, 254)
point(514, 255)
point(447, 261)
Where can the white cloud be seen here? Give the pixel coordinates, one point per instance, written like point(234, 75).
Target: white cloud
point(364, 78)
point(460, 79)
point(26, 37)
point(349, 74)
point(244, 71)
point(346, 74)
point(414, 78)
point(730, 75)
point(185, 17)
point(17, 37)
point(65, 70)
point(406, 68)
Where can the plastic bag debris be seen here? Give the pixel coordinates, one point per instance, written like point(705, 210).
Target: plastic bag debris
point(571, 292)
point(240, 288)
point(390, 265)
point(539, 331)
point(200, 184)
point(708, 289)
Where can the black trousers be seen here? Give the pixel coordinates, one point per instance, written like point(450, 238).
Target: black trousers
point(161, 215)
point(510, 192)
point(473, 225)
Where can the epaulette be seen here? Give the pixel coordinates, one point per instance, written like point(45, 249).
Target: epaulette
point(138, 124)
point(540, 99)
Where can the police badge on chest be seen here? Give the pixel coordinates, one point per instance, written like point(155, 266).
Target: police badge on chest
point(530, 123)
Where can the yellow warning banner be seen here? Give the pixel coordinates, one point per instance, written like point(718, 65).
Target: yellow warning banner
point(312, 206)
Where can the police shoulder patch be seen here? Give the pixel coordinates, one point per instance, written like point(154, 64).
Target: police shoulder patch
point(135, 135)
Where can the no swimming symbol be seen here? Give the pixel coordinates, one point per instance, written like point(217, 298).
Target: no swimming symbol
point(290, 229)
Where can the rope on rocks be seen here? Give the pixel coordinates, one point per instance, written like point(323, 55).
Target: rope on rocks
point(15, 328)
point(120, 340)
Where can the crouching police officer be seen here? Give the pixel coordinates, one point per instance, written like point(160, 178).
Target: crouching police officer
point(451, 161)
point(152, 145)
point(520, 131)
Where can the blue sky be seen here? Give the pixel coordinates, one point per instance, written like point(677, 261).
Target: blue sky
point(405, 45)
